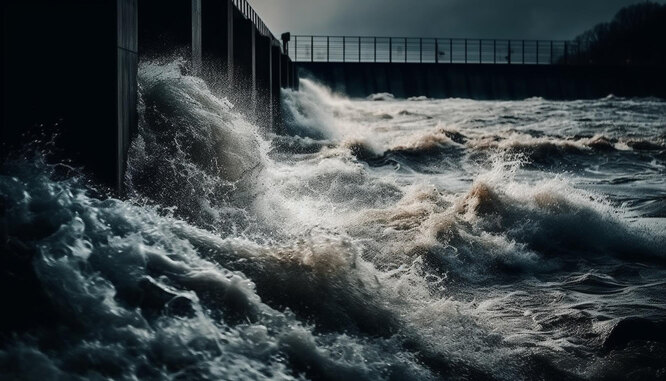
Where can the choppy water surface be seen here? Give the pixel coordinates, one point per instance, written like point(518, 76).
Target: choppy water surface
point(375, 239)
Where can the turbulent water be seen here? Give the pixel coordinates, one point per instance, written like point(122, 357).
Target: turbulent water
point(373, 239)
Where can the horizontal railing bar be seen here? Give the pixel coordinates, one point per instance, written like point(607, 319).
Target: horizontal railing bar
point(429, 38)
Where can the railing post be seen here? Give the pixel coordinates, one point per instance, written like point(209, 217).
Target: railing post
point(465, 50)
point(374, 56)
point(480, 44)
point(404, 43)
point(537, 52)
point(508, 51)
point(494, 51)
point(295, 48)
point(450, 50)
point(436, 51)
point(390, 49)
point(523, 51)
point(566, 52)
point(421, 50)
point(551, 52)
point(311, 48)
point(328, 49)
point(344, 49)
point(359, 49)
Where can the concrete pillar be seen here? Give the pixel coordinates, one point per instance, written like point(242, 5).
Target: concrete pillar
point(196, 37)
point(171, 28)
point(70, 67)
point(276, 72)
point(294, 76)
point(244, 91)
point(263, 79)
point(253, 67)
point(230, 42)
point(270, 82)
point(217, 43)
point(286, 71)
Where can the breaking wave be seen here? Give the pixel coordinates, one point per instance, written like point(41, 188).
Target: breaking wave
point(420, 239)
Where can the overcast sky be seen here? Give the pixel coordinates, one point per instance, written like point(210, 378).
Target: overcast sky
point(519, 19)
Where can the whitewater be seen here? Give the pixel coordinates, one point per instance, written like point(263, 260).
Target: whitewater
point(366, 239)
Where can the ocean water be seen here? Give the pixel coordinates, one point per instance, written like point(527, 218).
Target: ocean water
point(371, 239)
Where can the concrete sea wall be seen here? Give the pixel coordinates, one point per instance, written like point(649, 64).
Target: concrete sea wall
point(70, 66)
point(487, 81)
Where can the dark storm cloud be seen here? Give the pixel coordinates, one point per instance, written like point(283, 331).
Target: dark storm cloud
point(545, 19)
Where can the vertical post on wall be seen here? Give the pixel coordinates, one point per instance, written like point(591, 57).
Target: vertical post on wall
point(480, 55)
point(494, 51)
point(127, 61)
point(537, 52)
point(230, 43)
point(404, 44)
point(253, 37)
point(523, 51)
point(344, 48)
point(311, 48)
point(271, 121)
point(450, 50)
point(295, 48)
point(328, 49)
point(359, 49)
point(421, 50)
point(390, 49)
point(196, 37)
point(374, 56)
point(551, 52)
point(465, 50)
point(566, 52)
point(436, 51)
point(276, 70)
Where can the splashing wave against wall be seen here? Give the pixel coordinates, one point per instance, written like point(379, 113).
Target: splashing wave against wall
point(372, 240)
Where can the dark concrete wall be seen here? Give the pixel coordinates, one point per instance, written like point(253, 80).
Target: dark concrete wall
point(127, 86)
point(70, 67)
point(171, 28)
point(285, 74)
point(196, 37)
point(276, 72)
point(263, 79)
point(244, 83)
point(217, 43)
point(487, 81)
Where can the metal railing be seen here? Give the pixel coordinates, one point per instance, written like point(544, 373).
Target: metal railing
point(246, 10)
point(432, 50)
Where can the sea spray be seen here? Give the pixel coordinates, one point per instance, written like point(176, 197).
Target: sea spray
point(372, 240)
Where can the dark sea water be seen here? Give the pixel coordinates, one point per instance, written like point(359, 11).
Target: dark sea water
point(374, 239)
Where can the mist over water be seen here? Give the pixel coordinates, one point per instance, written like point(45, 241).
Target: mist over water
point(375, 239)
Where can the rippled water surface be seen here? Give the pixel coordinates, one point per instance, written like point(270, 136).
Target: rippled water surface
point(376, 239)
